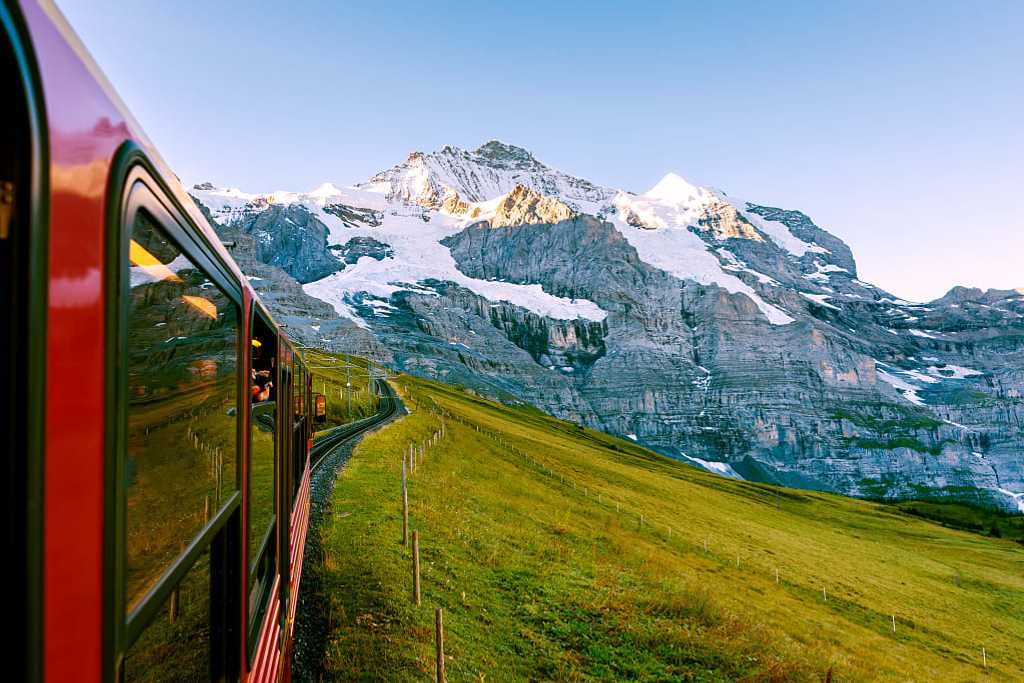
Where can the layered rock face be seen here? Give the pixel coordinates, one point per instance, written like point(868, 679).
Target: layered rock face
point(710, 329)
point(523, 206)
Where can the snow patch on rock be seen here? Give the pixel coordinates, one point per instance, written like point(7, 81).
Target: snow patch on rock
point(820, 300)
point(419, 256)
point(905, 388)
point(1017, 498)
point(722, 468)
point(949, 371)
point(779, 233)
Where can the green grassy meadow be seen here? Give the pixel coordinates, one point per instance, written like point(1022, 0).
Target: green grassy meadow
point(561, 553)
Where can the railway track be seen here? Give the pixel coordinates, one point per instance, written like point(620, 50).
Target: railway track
point(326, 444)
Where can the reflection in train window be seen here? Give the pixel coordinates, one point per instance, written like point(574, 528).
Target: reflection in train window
point(176, 645)
point(262, 441)
point(182, 333)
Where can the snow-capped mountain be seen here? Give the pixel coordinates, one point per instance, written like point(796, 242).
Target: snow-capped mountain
point(740, 332)
point(492, 170)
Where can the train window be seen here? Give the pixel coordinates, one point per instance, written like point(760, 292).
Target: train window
point(297, 392)
point(182, 349)
point(262, 459)
point(298, 428)
point(176, 645)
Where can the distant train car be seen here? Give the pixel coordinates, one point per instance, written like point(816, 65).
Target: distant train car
point(159, 422)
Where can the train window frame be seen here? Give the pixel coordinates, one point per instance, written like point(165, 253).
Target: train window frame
point(135, 186)
point(268, 539)
point(298, 432)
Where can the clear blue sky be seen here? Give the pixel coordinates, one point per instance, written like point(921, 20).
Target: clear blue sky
point(896, 125)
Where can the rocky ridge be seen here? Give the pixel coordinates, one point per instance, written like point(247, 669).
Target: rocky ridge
point(732, 335)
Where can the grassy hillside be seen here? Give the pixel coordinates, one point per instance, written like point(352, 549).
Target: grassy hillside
point(533, 543)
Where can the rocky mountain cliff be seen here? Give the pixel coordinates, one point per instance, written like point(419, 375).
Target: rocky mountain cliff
point(732, 335)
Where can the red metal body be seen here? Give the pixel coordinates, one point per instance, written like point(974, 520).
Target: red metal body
point(86, 125)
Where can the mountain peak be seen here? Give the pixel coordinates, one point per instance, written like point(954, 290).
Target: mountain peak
point(325, 190)
point(496, 150)
point(674, 189)
point(491, 170)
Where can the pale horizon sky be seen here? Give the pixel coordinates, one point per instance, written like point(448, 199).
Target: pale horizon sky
point(896, 126)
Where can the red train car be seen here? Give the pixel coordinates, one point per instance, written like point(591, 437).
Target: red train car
point(158, 420)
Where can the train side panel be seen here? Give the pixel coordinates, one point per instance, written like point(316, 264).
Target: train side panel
point(84, 130)
point(87, 125)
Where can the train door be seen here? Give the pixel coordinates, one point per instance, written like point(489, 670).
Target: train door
point(23, 292)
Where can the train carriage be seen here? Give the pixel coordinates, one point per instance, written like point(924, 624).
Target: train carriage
point(159, 421)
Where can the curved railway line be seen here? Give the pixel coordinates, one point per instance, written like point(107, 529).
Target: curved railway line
point(342, 434)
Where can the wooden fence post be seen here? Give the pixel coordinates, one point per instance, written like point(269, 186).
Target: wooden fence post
point(174, 606)
point(416, 566)
point(405, 508)
point(439, 643)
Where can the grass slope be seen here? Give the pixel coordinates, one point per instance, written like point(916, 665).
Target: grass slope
point(533, 544)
